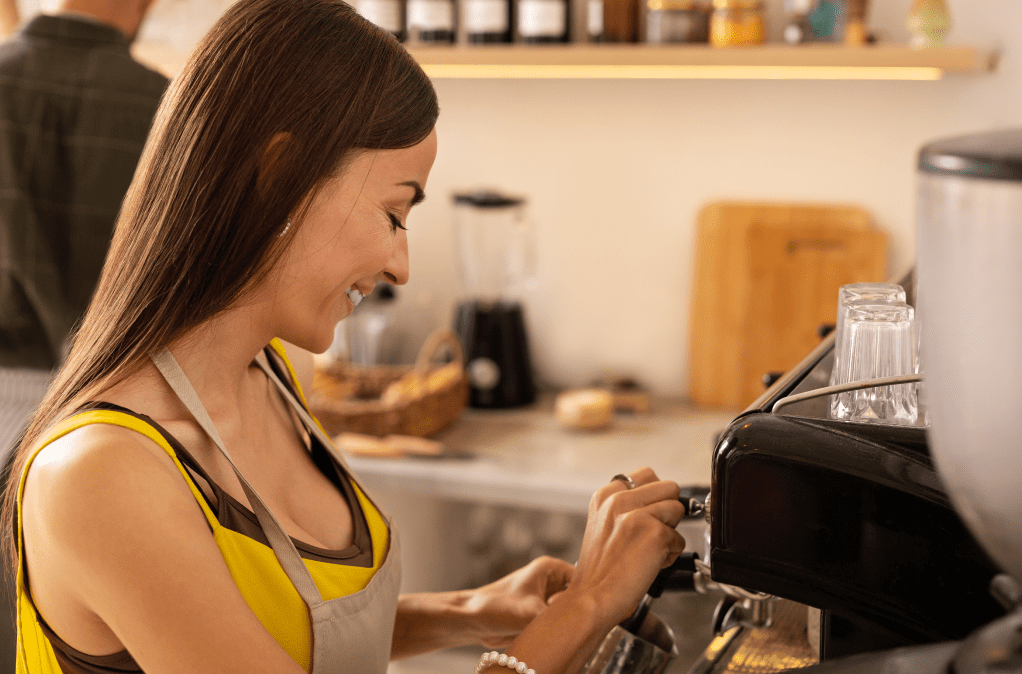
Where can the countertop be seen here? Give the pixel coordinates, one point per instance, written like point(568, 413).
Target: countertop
point(524, 457)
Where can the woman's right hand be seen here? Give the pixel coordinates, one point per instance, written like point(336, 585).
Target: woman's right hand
point(629, 537)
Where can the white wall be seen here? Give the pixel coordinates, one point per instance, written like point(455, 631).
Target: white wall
point(616, 171)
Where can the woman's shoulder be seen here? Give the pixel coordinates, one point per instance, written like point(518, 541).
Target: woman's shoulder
point(95, 473)
point(113, 542)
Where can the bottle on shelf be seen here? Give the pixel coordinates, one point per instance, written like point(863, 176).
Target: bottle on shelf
point(594, 20)
point(586, 20)
point(797, 29)
point(543, 21)
point(737, 23)
point(827, 20)
point(431, 21)
point(856, 33)
point(928, 21)
point(387, 14)
point(620, 20)
point(486, 21)
point(669, 21)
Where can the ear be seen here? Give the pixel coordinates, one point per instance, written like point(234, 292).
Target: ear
point(273, 161)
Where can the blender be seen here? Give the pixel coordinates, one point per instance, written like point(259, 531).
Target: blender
point(495, 246)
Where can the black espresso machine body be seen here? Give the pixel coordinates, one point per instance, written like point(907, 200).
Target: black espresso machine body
point(845, 517)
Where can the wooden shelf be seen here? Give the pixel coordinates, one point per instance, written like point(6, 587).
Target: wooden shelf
point(772, 61)
point(641, 61)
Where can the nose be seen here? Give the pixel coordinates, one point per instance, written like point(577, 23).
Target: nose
point(396, 271)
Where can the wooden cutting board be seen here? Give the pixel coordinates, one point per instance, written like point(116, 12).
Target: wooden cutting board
point(766, 277)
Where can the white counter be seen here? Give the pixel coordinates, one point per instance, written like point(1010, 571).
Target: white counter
point(525, 458)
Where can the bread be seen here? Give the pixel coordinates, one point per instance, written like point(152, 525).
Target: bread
point(585, 409)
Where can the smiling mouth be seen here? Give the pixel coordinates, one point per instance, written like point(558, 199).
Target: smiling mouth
point(354, 295)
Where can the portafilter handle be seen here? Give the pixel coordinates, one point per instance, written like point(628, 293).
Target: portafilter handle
point(678, 576)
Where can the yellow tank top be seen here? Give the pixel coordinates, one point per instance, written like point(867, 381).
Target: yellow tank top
point(251, 562)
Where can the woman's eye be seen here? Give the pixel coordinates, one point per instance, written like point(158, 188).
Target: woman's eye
point(395, 223)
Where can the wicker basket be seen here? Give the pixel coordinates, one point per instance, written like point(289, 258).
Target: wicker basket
point(420, 400)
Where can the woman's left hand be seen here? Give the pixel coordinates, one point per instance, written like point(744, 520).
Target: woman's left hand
point(503, 608)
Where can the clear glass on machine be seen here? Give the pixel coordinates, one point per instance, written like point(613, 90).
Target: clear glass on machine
point(876, 341)
point(848, 293)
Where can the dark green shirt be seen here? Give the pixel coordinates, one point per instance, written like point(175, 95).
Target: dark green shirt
point(75, 110)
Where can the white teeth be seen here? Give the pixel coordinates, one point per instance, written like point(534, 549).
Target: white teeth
point(354, 295)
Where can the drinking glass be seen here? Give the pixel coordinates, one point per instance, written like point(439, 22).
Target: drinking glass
point(854, 292)
point(877, 340)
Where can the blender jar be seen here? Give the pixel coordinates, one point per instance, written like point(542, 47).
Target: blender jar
point(495, 247)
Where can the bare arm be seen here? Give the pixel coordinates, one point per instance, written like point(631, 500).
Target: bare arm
point(492, 615)
point(8, 16)
point(121, 556)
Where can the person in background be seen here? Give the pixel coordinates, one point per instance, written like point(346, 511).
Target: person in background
point(179, 511)
point(75, 110)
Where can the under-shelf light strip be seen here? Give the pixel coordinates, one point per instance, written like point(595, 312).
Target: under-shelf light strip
point(709, 72)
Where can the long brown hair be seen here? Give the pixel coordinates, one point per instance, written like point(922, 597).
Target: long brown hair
point(272, 102)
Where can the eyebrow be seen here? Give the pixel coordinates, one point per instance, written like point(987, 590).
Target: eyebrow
point(420, 196)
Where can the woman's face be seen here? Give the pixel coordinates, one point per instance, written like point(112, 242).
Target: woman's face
point(352, 237)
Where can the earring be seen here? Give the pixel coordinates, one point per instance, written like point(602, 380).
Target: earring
point(286, 227)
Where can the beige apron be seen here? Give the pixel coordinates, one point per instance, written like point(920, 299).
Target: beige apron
point(352, 634)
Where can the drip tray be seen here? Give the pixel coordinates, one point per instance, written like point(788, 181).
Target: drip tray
point(780, 647)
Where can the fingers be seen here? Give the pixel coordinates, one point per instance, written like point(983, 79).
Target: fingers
point(639, 477)
point(642, 476)
point(643, 495)
point(558, 575)
point(660, 534)
point(670, 512)
point(676, 546)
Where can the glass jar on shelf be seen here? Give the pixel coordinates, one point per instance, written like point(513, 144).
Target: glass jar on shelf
point(669, 21)
point(543, 21)
point(487, 21)
point(431, 21)
point(737, 23)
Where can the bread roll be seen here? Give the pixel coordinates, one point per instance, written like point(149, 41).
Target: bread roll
point(585, 409)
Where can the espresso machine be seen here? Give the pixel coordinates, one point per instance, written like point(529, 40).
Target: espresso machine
point(904, 541)
point(496, 250)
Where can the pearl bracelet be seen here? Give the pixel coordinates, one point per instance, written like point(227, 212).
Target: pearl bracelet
point(504, 660)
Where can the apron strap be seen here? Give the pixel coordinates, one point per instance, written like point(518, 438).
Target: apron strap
point(304, 415)
point(315, 428)
point(281, 543)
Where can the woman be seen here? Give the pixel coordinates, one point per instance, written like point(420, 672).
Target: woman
point(179, 510)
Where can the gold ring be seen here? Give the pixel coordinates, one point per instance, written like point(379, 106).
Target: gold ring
point(625, 479)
